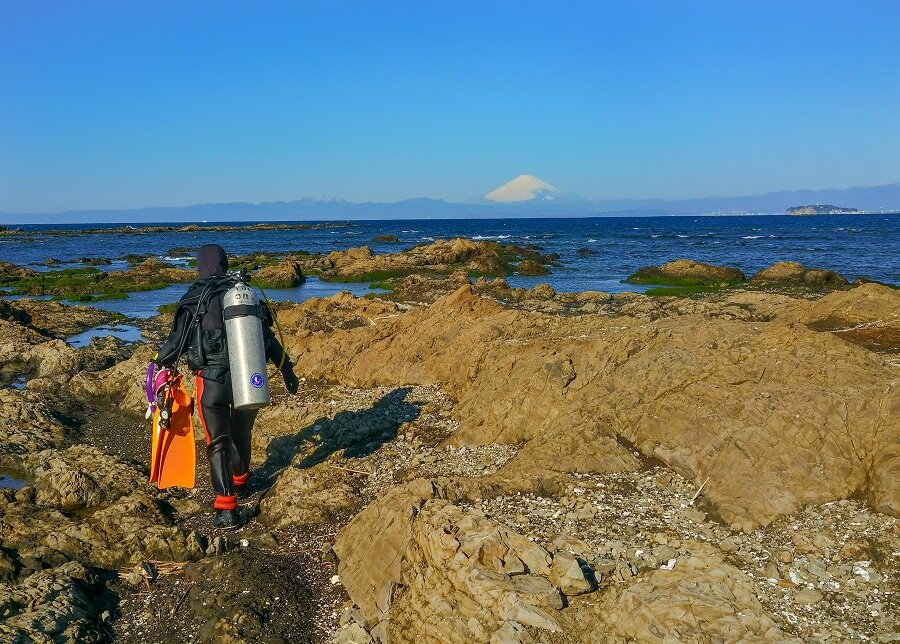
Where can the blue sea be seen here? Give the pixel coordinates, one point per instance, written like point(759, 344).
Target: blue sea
point(855, 245)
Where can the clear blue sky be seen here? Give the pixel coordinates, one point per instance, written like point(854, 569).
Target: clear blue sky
point(110, 104)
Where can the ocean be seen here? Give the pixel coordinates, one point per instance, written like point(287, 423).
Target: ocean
point(865, 246)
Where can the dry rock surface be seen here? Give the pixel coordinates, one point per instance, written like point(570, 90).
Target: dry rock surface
point(439, 257)
point(796, 273)
point(477, 463)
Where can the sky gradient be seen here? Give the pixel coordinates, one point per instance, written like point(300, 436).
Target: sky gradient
point(123, 104)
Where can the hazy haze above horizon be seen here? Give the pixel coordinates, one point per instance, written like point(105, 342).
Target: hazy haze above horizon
point(123, 105)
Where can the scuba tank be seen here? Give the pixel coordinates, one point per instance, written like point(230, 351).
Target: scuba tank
point(246, 347)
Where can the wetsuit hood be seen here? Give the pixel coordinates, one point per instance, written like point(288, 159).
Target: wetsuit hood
point(212, 260)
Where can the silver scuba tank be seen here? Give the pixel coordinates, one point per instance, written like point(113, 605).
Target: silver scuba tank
point(246, 348)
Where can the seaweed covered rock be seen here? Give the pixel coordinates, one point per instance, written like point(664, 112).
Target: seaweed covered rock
point(55, 319)
point(10, 272)
point(429, 288)
point(687, 272)
point(88, 283)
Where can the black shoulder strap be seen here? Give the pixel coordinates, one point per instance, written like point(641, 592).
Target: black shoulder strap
point(200, 302)
point(215, 286)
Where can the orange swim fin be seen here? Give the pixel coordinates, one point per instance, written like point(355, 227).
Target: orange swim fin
point(173, 459)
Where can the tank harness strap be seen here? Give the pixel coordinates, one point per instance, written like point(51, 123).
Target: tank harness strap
point(198, 328)
point(240, 310)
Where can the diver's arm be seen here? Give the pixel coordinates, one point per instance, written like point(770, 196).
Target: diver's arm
point(276, 354)
point(176, 343)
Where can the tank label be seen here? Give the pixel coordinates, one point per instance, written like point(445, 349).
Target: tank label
point(257, 380)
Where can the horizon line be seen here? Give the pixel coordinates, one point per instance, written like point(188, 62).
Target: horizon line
point(477, 201)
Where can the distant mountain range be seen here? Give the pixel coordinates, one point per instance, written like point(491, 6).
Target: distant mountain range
point(524, 196)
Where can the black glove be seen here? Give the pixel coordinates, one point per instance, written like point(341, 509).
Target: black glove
point(291, 383)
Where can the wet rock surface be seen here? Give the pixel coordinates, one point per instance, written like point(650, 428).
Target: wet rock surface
point(471, 462)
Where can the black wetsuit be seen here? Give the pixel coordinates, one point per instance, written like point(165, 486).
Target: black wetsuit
point(228, 431)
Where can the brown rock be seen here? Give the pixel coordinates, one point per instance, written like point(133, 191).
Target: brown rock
point(701, 599)
point(303, 496)
point(807, 596)
point(529, 267)
point(542, 292)
point(52, 605)
point(724, 412)
point(420, 567)
point(285, 274)
point(795, 274)
point(26, 424)
point(567, 575)
point(440, 257)
point(867, 315)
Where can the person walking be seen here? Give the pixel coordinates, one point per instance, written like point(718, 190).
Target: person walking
point(199, 334)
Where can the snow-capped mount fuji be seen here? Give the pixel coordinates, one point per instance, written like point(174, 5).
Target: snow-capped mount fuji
point(525, 187)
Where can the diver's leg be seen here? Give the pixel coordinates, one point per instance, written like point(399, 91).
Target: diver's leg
point(215, 415)
point(241, 436)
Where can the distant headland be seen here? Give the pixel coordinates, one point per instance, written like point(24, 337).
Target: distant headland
point(823, 209)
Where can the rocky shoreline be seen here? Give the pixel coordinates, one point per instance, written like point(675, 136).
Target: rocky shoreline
point(466, 461)
point(283, 270)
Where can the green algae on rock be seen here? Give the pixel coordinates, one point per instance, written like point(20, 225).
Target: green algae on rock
point(90, 284)
point(687, 272)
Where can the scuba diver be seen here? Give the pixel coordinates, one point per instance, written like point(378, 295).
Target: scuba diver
point(199, 334)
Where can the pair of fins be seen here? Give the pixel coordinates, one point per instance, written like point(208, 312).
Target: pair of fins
point(173, 459)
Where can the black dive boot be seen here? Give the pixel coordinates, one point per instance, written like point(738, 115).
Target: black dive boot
point(227, 519)
point(227, 514)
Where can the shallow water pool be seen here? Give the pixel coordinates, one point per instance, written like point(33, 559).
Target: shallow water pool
point(11, 481)
point(125, 332)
